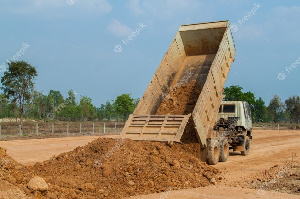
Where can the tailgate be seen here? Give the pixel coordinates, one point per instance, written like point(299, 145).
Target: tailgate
point(155, 127)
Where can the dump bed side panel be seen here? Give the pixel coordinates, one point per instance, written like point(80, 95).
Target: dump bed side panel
point(207, 106)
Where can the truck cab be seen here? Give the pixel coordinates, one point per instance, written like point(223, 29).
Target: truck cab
point(235, 116)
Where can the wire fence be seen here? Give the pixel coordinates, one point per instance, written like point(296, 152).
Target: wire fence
point(13, 130)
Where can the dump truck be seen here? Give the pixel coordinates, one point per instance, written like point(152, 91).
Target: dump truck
point(186, 91)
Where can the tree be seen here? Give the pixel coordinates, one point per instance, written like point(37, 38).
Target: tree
point(6, 109)
point(18, 83)
point(124, 105)
point(260, 110)
point(233, 93)
point(40, 106)
point(101, 112)
point(69, 109)
point(249, 97)
point(293, 108)
point(275, 108)
point(56, 99)
point(71, 98)
point(136, 102)
point(109, 110)
point(88, 109)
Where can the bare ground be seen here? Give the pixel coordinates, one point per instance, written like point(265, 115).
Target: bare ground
point(269, 148)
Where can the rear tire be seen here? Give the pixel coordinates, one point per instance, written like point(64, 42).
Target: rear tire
point(246, 146)
point(224, 150)
point(213, 155)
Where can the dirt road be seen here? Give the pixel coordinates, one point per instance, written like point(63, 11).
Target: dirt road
point(28, 152)
point(269, 148)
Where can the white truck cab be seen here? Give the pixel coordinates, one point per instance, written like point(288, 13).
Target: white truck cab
point(235, 115)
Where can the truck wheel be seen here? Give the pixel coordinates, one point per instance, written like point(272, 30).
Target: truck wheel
point(224, 150)
point(246, 146)
point(213, 155)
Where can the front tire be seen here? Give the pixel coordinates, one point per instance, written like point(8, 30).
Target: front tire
point(213, 155)
point(246, 146)
point(224, 151)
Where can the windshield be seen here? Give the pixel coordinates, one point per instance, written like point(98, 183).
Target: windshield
point(228, 108)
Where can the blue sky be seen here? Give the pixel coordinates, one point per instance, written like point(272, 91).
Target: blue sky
point(72, 42)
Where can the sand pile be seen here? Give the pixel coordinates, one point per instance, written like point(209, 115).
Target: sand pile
point(108, 168)
point(181, 100)
point(14, 178)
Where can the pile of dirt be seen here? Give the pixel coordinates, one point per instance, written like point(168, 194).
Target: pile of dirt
point(14, 177)
point(108, 168)
point(181, 100)
point(284, 179)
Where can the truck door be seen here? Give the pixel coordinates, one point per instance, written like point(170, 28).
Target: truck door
point(248, 116)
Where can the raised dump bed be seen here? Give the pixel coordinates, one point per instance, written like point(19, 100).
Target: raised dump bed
point(187, 86)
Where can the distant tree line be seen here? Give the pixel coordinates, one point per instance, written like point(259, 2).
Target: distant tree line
point(55, 107)
point(20, 100)
point(276, 111)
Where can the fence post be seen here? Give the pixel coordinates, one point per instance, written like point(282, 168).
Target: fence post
point(278, 126)
point(0, 132)
point(67, 128)
point(115, 127)
point(37, 129)
point(52, 128)
point(20, 130)
point(80, 127)
point(93, 127)
point(104, 128)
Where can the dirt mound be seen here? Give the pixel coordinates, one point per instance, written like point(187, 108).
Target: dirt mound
point(108, 168)
point(13, 177)
point(181, 100)
point(284, 179)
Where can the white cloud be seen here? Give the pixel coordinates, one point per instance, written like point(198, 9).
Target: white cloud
point(171, 8)
point(249, 32)
point(101, 5)
point(134, 6)
point(283, 22)
point(267, 27)
point(119, 29)
point(45, 6)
